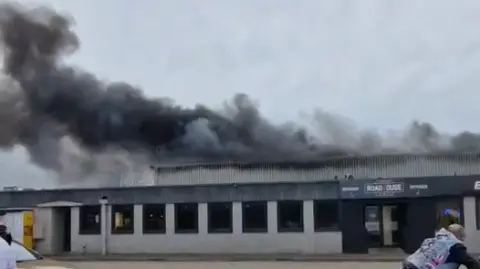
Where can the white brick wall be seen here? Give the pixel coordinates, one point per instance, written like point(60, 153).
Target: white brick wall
point(236, 242)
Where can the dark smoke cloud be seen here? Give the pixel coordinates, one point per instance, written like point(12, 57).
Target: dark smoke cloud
point(65, 116)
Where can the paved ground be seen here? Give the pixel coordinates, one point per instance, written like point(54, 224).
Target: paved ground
point(380, 257)
point(234, 265)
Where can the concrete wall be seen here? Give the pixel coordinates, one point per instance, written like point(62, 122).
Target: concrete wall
point(84, 244)
point(49, 229)
point(237, 242)
point(44, 227)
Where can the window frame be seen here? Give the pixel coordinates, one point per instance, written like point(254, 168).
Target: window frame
point(186, 231)
point(146, 211)
point(114, 210)
point(244, 217)
point(316, 208)
point(212, 230)
point(82, 217)
point(302, 216)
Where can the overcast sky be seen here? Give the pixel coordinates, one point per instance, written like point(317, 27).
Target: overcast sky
point(380, 63)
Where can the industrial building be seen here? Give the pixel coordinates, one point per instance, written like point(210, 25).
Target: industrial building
point(349, 205)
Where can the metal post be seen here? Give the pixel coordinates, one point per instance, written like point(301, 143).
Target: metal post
point(104, 224)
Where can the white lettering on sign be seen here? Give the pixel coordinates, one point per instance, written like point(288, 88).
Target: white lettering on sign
point(476, 186)
point(419, 187)
point(350, 188)
point(394, 187)
point(384, 188)
point(374, 188)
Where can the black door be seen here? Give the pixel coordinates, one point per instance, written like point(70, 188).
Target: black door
point(401, 215)
point(354, 234)
point(382, 224)
point(67, 232)
point(420, 223)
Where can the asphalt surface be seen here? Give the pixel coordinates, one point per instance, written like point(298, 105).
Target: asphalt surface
point(234, 265)
point(233, 258)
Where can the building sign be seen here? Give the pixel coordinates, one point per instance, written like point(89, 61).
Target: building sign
point(418, 187)
point(350, 189)
point(384, 188)
point(407, 187)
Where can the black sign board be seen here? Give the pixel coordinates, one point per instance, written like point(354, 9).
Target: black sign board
point(383, 188)
point(409, 187)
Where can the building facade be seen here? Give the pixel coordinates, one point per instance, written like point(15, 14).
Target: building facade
point(287, 208)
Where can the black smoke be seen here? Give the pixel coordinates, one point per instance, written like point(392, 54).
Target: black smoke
point(43, 101)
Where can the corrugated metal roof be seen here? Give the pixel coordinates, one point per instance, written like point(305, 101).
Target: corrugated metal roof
point(349, 161)
point(365, 167)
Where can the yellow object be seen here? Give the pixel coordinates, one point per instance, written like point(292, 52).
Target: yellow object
point(119, 221)
point(28, 229)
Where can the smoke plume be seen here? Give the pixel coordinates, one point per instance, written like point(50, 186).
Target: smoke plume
point(81, 127)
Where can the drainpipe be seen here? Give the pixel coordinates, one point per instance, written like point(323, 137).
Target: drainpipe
point(103, 222)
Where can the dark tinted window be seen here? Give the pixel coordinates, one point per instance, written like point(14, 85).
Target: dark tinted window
point(255, 217)
point(326, 215)
point(186, 218)
point(449, 210)
point(154, 218)
point(220, 218)
point(477, 209)
point(290, 216)
point(90, 220)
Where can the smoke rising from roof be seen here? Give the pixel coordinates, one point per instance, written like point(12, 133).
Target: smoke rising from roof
point(90, 130)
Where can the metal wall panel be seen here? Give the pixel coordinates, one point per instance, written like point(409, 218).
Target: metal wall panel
point(370, 167)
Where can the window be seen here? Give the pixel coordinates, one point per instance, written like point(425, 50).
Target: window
point(290, 216)
point(154, 218)
point(394, 213)
point(186, 218)
point(477, 211)
point(122, 219)
point(325, 215)
point(90, 220)
point(372, 220)
point(448, 211)
point(220, 218)
point(255, 215)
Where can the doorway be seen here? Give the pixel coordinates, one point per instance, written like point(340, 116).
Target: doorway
point(384, 224)
point(62, 223)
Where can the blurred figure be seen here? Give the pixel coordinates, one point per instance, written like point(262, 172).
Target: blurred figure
point(5, 234)
point(3, 229)
point(7, 257)
point(444, 251)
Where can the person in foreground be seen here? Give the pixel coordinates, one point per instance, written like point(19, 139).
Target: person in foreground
point(444, 251)
point(7, 256)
